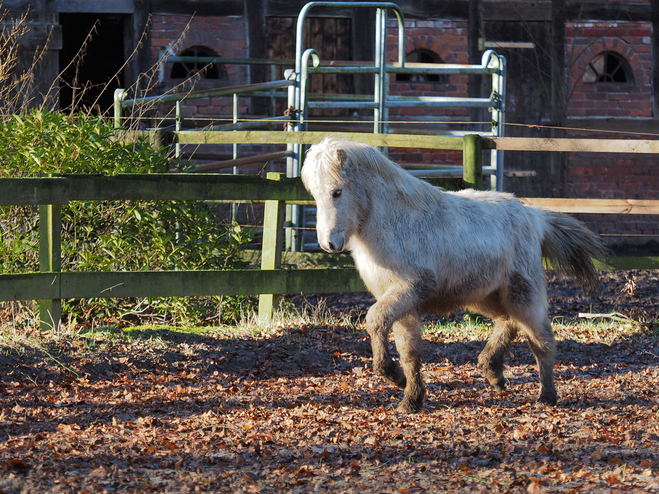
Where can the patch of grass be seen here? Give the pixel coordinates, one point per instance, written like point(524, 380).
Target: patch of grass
point(604, 330)
point(470, 328)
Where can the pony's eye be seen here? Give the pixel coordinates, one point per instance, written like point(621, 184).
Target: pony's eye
point(336, 193)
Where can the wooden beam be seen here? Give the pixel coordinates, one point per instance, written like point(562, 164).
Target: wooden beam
point(574, 11)
point(291, 8)
point(415, 9)
point(278, 137)
point(153, 187)
point(595, 206)
point(50, 260)
point(247, 160)
point(528, 11)
point(112, 284)
point(95, 7)
point(577, 11)
point(30, 286)
point(200, 8)
point(138, 32)
point(426, 141)
point(472, 155)
point(273, 237)
point(475, 32)
point(257, 33)
point(571, 145)
point(645, 262)
point(558, 95)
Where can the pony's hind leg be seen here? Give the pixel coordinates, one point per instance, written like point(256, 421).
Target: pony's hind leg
point(527, 304)
point(543, 345)
point(491, 360)
point(407, 332)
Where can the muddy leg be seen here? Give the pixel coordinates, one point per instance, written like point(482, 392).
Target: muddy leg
point(382, 361)
point(407, 332)
point(543, 346)
point(491, 359)
point(526, 302)
point(398, 301)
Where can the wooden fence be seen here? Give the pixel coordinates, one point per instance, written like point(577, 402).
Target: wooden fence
point(50, 285)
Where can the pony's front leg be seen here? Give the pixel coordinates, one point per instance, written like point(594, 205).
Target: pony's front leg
point(407, 332)
point(383, 364)
point(396, 303)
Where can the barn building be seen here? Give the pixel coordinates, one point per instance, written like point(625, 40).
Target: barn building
point(573, 67)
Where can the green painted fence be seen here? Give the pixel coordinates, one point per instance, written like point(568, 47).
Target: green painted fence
point(50, 286)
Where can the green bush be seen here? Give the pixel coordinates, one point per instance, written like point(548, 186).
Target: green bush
point(114, 236)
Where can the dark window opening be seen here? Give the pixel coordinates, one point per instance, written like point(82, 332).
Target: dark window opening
point(185, 70)
point(91, 70)
point(609, 67)
point(423, 56)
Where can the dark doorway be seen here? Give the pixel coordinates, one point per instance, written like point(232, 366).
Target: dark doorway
point(91, 71)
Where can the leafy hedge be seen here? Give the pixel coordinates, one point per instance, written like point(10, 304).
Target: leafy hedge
point(44, 142)
point(114, 236)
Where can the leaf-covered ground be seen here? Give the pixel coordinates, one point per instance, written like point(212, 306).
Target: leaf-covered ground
point(298, 409)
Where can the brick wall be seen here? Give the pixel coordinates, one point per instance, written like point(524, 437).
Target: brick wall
point(612, 176)
point(616, 176)
point(225, 36)
point(630, 40)
point(448, 40)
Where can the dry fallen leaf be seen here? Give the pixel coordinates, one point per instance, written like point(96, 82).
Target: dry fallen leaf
point(533, 488)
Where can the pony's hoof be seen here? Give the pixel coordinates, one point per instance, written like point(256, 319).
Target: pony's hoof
point(409, 405)
point(393, 374)
point(497, 382)
point(499, 385)
point(400, 382)
point(548, 399)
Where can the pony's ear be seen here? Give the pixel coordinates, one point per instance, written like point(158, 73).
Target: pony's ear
point(342, 158)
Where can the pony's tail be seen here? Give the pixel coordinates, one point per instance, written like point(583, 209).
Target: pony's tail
point(571, 247)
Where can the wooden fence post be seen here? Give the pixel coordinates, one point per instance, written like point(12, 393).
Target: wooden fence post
point(50, 260)
point(472, 160)
point(273, 237)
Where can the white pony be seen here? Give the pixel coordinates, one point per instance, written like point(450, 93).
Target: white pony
point(420, 249)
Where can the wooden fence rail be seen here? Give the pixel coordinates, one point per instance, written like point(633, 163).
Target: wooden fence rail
point(50, 285)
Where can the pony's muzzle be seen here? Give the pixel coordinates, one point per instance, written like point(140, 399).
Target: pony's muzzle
point(335, 244)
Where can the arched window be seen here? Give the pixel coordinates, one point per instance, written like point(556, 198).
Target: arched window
point(184, 70)
point(609, 66)
point(423, 56)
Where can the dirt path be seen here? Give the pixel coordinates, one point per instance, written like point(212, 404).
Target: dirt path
point(299, 410)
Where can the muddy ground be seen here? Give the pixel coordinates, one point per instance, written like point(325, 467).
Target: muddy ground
point(298, 408)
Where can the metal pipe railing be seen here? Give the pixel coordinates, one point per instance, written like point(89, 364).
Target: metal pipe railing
point(299, 33)
point(208, 93)
point(408, 102)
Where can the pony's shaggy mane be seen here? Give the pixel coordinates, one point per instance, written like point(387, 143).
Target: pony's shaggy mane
point(364, 164)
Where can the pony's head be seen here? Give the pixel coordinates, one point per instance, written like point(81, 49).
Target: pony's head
point(353, 182)
point(327, 172)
